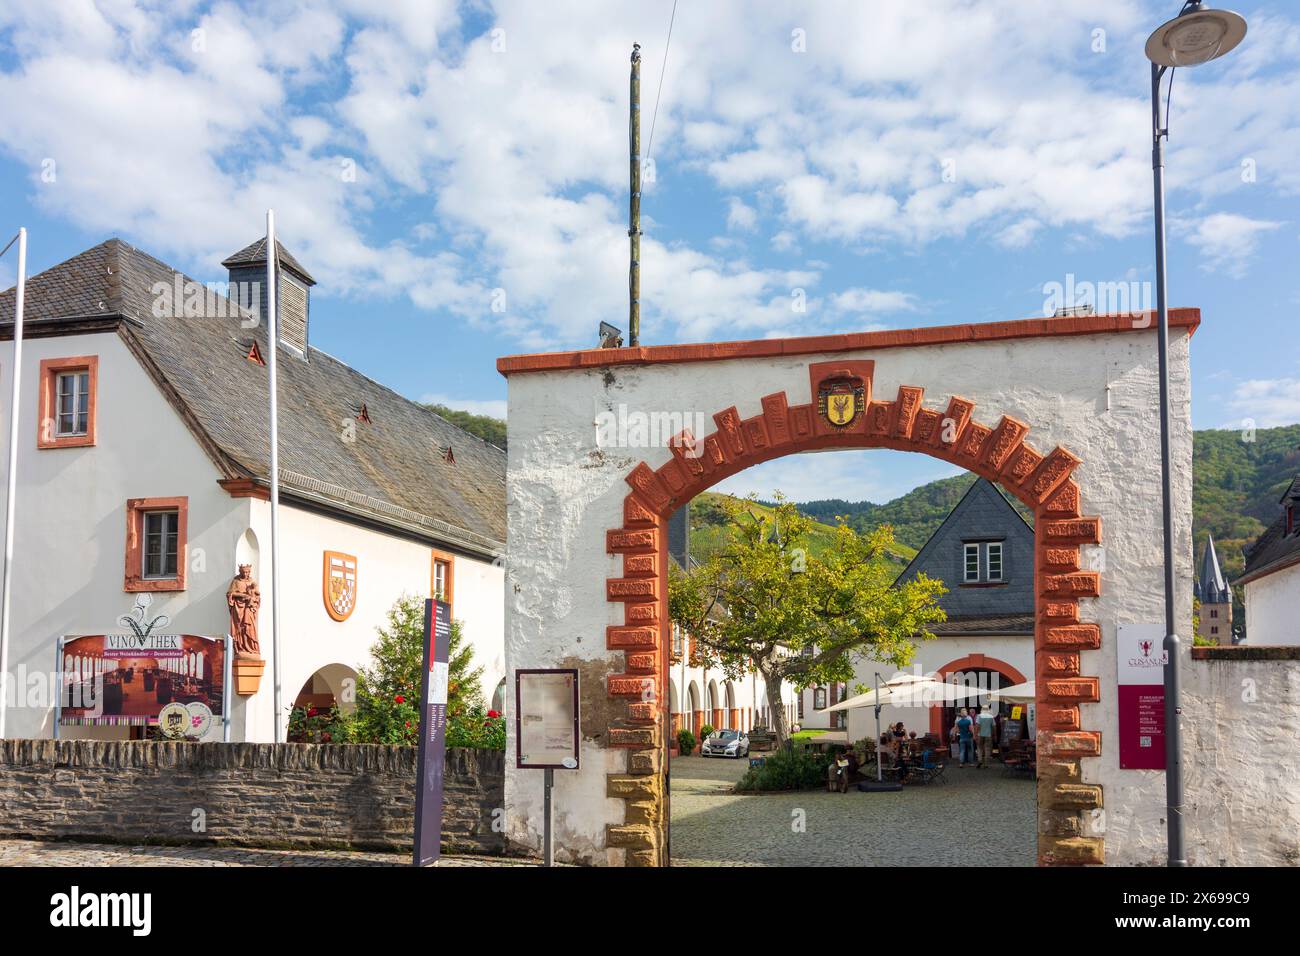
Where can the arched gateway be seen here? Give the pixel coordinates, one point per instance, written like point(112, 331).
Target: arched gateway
point(1063, 412)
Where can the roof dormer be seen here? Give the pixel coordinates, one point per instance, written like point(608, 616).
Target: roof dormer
point(292, 292)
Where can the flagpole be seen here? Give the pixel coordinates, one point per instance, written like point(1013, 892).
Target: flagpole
point(11, 479)
point(273, 340)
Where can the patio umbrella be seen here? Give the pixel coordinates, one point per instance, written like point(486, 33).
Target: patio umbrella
point(1019, 693)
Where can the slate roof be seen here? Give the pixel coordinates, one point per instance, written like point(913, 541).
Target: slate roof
point(1272, 550)
point(1212, 587)
point(254, 254)
point(1011, 624)
point(395, 472)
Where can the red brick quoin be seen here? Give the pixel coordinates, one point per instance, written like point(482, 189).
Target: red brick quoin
point(997, 450)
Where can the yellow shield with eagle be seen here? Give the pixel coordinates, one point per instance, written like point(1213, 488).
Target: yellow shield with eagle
point(340, 584)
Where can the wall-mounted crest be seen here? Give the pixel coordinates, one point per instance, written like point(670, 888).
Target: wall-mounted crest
point(840, 401)
point(340, 584)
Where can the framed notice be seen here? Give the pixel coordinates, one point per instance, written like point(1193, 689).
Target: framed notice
point(546, 719)
point(1141, 660)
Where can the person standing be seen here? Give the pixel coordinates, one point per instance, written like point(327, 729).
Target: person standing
point(965, 738)
point(984, 722)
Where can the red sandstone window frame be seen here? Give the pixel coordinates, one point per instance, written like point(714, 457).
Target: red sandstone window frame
point(47, 435)
point(136, 509)
point(449, 561)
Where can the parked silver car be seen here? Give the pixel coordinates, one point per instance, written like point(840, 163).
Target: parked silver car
point(725, 743)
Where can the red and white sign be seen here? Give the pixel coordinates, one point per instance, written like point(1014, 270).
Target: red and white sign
point(1141, 661)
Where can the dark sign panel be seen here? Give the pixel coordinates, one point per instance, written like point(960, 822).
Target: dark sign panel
point(433, 732)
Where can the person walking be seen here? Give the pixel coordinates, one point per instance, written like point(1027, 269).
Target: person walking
point(965, 738)
point(984, 722)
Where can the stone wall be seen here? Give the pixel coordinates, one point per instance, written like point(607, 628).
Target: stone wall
point(1241, 719)
point(274, 795)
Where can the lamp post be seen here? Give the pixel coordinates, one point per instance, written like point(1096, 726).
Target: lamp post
point(1197, 35)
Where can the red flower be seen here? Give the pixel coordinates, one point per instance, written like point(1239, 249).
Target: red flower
point(325, 737)
point(399, 699)
point(408, 725)
point(312, 712)
point(493, 713)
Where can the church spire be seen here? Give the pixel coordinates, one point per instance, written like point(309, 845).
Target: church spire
point(1212, 586)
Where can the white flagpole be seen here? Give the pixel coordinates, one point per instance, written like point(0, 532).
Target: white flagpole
point(273, 343)
point(12, 479)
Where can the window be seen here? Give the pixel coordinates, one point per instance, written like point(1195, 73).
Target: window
point(155, 544)
point(995, 560)
point(678, 642)
point(1214, 630)
point(972, 562)
point(160, 542)
point(1214, 612)
point(819, 698)
point(67, 402)
point(442, 577)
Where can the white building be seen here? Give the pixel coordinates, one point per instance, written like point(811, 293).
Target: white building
point(699, 695)
point(142, 468)
point(984, 553)
point(1272, 577)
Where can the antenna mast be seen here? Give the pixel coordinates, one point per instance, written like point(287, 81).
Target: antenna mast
point(634, 204)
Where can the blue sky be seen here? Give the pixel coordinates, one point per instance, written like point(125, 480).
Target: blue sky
point(903, 164)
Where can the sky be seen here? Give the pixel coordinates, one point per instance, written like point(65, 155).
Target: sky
point(454, 175)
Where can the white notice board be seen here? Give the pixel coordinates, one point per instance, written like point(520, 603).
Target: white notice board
point(546, 719)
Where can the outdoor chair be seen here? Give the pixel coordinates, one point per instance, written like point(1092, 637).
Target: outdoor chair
point(928, 770)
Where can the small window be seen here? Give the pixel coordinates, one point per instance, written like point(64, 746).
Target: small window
point(73, 412)
point(972, 562)
point(161, 544)
point(442, 577)
point(1214, 630)
point(155, 544)
point(1214, 612)
point(678, 641)
point(995, 561)
point(67, 402)
point(819, 698)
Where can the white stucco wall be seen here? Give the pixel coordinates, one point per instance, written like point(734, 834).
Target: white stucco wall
point(1242, 762)
point(387, 567)
point(70, 541)
point(70, 527)
point(1271, 608)
point(1094, 394)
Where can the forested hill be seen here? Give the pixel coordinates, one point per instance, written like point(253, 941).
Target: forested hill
point(1237, 478)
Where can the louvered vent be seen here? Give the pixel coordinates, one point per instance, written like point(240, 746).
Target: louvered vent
point(293, 313)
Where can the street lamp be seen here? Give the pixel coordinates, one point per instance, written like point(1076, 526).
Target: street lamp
point(1197, 35)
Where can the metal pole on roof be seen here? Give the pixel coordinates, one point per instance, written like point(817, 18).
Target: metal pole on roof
point(273, 343)
point(11, 476)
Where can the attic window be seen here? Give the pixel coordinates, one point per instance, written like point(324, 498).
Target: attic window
point(254, 354)
point(449, 456)
point(363, 415)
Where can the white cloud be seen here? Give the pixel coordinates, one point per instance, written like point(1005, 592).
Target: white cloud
point(1228, 241)
point(1267, 402)
point(510, 136)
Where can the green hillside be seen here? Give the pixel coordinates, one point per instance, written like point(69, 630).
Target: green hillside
point(708, 530)
point(914, 516)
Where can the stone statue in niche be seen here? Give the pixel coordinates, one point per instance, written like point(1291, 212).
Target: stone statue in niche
point(243, 598)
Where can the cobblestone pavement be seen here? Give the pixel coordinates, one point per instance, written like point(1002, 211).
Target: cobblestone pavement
point(979, 817)
point(46, 853)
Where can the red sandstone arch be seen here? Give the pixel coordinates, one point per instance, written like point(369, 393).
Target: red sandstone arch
point(999, 452)
point(971, 662)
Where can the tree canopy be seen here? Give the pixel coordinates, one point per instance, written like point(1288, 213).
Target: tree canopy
point(764, 598)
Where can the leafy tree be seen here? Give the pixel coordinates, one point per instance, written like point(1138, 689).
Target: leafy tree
point(491, 430)
point(763, 600)
point(388, 690)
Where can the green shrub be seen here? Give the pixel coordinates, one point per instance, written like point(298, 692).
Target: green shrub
point(685, 741)
point(706, 732)
point(485, 730)
point(786, 769)
point(310, 725)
